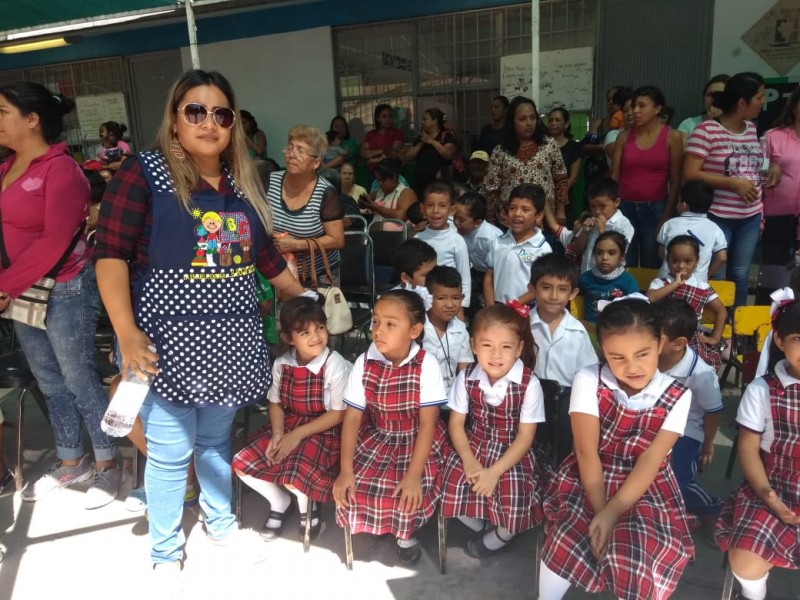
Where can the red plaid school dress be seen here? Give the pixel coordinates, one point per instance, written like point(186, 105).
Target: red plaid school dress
point(698, 298)
point(745, 521)
point(650, 545)
point(517, 500)
point(314, 464)
point(383, 452)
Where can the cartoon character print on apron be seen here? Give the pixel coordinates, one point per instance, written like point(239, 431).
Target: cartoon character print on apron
point(197, 299)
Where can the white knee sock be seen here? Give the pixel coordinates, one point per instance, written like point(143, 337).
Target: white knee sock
point(475, 524)
point(407, 543)
point(277, 497)
point(302, 505)
point(753, 589)
point(497, 538)
point(551, 586)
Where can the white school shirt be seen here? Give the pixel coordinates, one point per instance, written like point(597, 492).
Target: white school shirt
point(695, 373)
point(584, 396)
point(431, 389)
point(337, 371)
point(451, 251)
point(449, 350)
point(559, 357)
point(763, 359)
point(479, 243)
point(617, 222)
point(511, 263)
point(707, 233)
point(532, 410)
point(693, 281)
point(755, 412)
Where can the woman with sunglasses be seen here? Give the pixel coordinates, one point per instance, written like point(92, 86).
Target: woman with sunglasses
point(182, 230)
point(304, 205)
point(45, 201)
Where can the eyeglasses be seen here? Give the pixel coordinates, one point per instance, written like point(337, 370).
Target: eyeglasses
point(197, 114)
point(298, 151)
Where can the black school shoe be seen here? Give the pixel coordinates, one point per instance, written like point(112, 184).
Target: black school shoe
point(475, 547)
point(411, 555)
point(268, 533)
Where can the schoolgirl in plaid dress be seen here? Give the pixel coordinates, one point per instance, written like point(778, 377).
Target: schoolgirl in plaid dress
point(683, 254)
point(392, 439)
point(492, 475)
point(298, 450)
point(616, 517)
point(760, 523)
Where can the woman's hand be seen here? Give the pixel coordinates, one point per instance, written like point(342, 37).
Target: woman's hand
point(776, 505)
point(774, 175)
point(342, 488)
point(134, 346)
point(485, 483)
point(745, 188)
point(287, 244)
point(600, 530)
point(410, 491)
point(286, 445)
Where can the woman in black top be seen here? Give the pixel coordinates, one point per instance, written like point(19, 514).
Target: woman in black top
point(492, 133)
point(433, 149)
point(558, 126)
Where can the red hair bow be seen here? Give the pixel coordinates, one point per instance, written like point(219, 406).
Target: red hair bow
point(523, 310)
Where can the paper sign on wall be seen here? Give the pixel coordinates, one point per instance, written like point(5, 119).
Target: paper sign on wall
point(775, 37)
point(95, 110)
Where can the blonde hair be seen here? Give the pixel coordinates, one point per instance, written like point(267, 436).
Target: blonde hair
point(311, 136)
point(185, 175)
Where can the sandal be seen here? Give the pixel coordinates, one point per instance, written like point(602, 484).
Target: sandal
point(271, 533)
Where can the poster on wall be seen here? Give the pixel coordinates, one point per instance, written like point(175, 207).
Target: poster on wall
point(565, 78)
point(776, 94)
point(97, 109)
point(775, 37)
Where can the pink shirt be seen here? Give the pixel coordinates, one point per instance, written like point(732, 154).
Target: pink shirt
point(729, 155)
point(382, 139)
point(644, 174)
point(41, 211)
point(783, 148)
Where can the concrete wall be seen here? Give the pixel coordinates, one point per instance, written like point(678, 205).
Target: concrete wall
point(279, 92)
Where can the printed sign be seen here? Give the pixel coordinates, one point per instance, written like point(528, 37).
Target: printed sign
point(775, 37)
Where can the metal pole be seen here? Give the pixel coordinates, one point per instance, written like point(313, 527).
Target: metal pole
point(535, 51)
point(190, 23)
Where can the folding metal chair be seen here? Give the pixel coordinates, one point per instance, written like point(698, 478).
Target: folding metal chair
point(385, 244)
point(358, 278)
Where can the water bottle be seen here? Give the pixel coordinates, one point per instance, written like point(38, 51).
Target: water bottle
point(124, 406)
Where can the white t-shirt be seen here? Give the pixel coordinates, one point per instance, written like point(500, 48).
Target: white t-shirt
point(755, 412)
point(559, 357)
point(532, 410)
point(479, 243)
point(610, 138)
point(451, 251)
point(449, 350)
point(617, 222)
point(584, 397)
point(693, 281)
point(707, 233)
point(693, 372)
point(431, 392)
point(337, 370)
point(511, 263)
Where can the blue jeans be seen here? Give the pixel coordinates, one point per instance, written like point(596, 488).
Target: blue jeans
point(62, 358)
point(742, 237)
point(174, 432)
point(685, 455)
point(644, 216)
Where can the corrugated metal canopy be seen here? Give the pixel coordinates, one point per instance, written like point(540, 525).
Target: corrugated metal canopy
point(19, 15)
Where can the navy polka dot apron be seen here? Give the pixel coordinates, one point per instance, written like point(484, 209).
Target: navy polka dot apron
point(197, 298)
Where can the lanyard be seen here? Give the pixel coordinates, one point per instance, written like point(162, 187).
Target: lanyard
point(446, 351)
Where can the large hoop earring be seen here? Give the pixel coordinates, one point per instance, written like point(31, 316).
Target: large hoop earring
point(176, 149)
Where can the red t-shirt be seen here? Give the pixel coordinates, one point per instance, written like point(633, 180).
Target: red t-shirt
point(382, 139)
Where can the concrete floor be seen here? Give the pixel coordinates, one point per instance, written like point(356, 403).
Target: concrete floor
point(56, 549)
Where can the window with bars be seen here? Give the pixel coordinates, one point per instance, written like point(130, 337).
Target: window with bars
point(451, 61)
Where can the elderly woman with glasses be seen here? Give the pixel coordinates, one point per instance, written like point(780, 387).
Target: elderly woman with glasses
point(304, 205)
point(182, 231)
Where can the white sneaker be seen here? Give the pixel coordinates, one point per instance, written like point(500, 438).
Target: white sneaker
point(105, 487)
point(136, 500)
point(242, 546)
point(58, 478)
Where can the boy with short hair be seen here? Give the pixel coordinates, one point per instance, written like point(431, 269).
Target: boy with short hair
point(605, 216)
point(478, 166)
point(696, 447)
point(509, 261)
point(451, 249)
point(413, 261)
point(693, 206)
point(563, 344)
point(445, 336)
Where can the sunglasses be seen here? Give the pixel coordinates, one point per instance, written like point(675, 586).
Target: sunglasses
point(197, 114)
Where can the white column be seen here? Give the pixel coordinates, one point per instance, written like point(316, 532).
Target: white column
point(190, 23)
point(535, 51)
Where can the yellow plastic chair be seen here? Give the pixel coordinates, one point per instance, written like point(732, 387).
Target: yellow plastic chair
point(643, 277)
point(746, 322)
point(761, 335)
point(577, 307)
point(726, 290)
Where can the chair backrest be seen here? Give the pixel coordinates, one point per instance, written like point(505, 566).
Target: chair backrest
point(770, 278)
point(761, 335)
point(643, 276)
point(357, 272)
point(578, 307)
point(385, 243)
point(357, 223)
point(726, 290)
point(747, 319)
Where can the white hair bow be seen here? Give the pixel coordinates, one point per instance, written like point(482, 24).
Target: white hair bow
point(780, 298)
point(310, 294)
point(602, 304)
point(422, 292)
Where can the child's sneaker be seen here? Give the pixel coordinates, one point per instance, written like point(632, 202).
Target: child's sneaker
point(57, 478)
point(105, 487)
point(191, 498)
point(242, 546)
point(136, 500)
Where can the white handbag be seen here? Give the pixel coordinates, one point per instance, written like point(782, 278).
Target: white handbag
point(340, 319)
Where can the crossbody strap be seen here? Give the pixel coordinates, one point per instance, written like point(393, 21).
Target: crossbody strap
point(6, 263)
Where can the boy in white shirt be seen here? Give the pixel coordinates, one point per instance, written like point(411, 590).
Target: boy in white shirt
point(696, 199)
point(412, 262)
point(445, 336)
point(695, 448)
point(509, 261)
point(451, 249)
